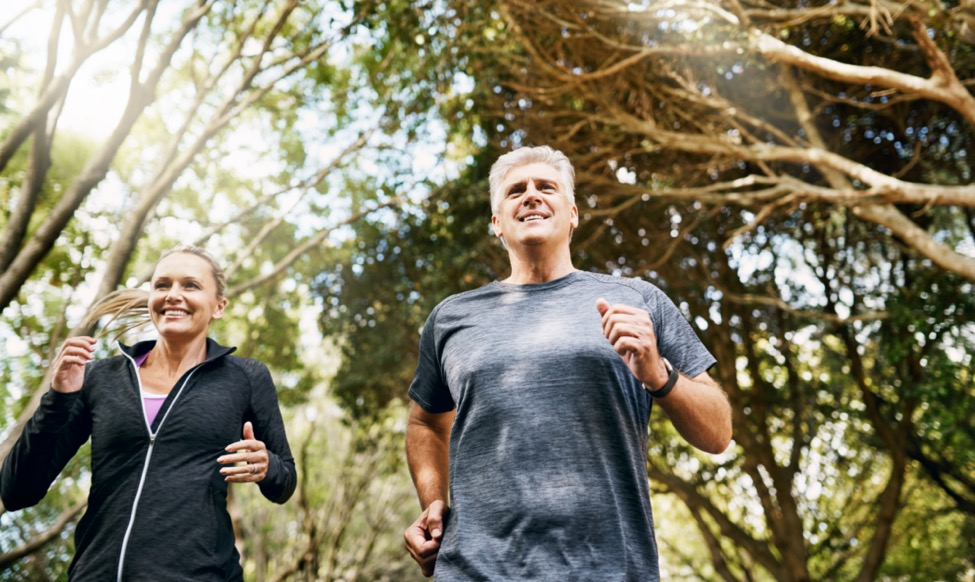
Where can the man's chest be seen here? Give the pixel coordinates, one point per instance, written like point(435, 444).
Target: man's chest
point(499, 353)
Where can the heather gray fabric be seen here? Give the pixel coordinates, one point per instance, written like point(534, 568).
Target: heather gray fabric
point(548, 450)
point(182, 530)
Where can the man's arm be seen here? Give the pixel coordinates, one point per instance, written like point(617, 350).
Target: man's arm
point(698, 407)
point(428, 454)
point(700, 411)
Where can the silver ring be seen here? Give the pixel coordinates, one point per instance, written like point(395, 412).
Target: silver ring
point(253, 469)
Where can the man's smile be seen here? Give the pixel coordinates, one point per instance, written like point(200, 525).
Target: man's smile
point(532, 216)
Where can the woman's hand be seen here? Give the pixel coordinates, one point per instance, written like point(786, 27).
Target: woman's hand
point(251, 452)
point(69, 365)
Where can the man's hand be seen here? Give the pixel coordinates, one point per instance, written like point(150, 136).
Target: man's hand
point(699, 409)
point(630, 330)
point(423, 537)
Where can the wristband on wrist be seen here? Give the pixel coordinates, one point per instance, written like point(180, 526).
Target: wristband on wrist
point(668, 385)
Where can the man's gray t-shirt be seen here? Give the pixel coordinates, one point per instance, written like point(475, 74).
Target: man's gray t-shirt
point(548, 473)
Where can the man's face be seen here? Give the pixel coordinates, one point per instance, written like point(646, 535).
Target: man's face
point(534, 209)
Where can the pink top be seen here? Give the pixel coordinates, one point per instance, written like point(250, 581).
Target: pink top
point(151, 402)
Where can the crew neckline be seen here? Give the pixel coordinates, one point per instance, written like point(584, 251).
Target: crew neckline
point(553, 284)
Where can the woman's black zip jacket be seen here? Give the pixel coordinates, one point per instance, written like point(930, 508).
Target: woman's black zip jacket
point(157, 508)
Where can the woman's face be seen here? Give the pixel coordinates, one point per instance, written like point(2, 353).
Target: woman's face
point(183, 297)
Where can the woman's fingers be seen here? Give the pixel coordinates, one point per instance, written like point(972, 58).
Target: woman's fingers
point(69, 365)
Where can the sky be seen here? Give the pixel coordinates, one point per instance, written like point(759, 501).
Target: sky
point(96, 98)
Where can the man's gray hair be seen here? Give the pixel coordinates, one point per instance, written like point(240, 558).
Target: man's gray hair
point(531, 155)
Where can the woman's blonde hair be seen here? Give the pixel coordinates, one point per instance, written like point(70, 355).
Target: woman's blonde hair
point(129, 308)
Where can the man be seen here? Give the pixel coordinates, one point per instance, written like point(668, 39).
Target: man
point(533, 395)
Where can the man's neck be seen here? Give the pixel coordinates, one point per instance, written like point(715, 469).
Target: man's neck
point(529, 268)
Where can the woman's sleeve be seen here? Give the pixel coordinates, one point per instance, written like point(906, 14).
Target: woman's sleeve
point(282, 477)
point(60, 425)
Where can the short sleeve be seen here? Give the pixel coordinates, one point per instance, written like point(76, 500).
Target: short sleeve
point(429, 388)
point(676, 339)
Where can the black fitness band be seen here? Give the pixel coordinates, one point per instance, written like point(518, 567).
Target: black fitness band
point(668, 385)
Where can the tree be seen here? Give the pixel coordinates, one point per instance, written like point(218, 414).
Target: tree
point(242, 126)
point(800, 206)
point(715, 87)
point(713, 107)
point(344, 523)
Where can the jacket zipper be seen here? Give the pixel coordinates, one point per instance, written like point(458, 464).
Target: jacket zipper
point(145, 465)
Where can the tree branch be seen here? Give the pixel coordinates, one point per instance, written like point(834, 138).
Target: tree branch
point(39, 541)
point(731, 531)
point(941, 88)
point(301, 249)
point(46, 234)
point(56, 90)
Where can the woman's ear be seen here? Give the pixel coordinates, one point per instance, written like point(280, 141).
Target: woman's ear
point(221, 306)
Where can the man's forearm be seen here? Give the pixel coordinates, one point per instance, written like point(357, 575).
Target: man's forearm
point(700, 411)
point(428, 453)
point(429, 467)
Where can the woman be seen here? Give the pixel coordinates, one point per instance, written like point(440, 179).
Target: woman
point(165, 419)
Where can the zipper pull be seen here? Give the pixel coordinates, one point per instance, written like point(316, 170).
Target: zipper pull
point(152, 439)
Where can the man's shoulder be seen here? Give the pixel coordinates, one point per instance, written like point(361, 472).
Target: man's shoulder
point(639, 285)
point(466, 296)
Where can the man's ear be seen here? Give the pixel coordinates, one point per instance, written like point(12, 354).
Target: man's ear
point(496, 227)
point(574, 216)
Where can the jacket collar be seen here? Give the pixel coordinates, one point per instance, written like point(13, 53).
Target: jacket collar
point(214, 350)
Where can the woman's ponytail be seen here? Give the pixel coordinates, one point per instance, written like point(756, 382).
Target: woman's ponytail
point(128, 310)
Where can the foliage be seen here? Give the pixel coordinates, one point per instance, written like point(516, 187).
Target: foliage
point(803, 215)
point(354, 495)
point(245, 127)
point(796, 176)
point(378, 299)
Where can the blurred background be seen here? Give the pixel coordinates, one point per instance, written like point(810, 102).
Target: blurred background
point(795, 175)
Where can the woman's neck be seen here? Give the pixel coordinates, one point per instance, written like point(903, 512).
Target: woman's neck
point(176, 358)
